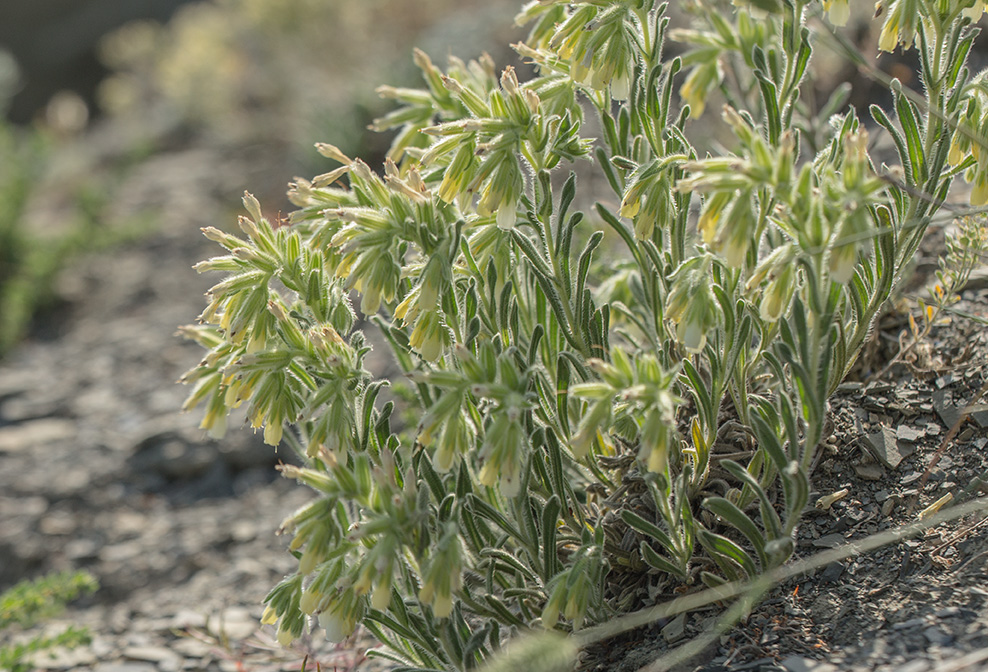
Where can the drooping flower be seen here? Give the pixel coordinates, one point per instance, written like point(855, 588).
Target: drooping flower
point(776, 297)
point(838, 11)
point(692, 304)
point(430, 335)
point(699, 85)
point(338, 626)
point(442, 576)
point(901, 21)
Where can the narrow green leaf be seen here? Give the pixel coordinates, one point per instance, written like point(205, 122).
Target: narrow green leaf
point(584, 266)
point(655, 560)
point(550, 559)
point(565, 243)
point(878, 114)
point(562, 392)
point(482, 508)
point(907, 113)
point(528, 249)
point(510, 560)
point(771, 100)
point(636, 522)
point(722, 547)
point(605, 166)
point(738, 519)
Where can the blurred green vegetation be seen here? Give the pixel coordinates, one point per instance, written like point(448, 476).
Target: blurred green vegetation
point(31, 602)
point(289, 72)
point(34, 248)
point(271, 76)
point(21, 270)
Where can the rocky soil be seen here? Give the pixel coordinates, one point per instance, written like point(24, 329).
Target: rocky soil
point(99, 471)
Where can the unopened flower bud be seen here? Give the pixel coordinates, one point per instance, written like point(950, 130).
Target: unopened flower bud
point(332, 152)
point(252, 206)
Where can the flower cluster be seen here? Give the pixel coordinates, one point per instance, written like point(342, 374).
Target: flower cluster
point(599, 43)
point(966, 148)
point(640, 394)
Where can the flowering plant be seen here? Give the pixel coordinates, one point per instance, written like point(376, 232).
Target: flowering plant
point(598, 427)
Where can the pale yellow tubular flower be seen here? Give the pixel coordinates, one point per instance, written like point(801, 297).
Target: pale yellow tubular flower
point(214, 420)
point(621, 86)
point(776, 297)
point(285, 638)
point(956, 154)
point(337, 626)
point(690, 92)
point(631, 204)
point(429, 335)
point(370, 301)
point(838, 11)
point(889, 38)
point(488, 474)
point(692, 334)
point(843, 260)
point(979, 194)
point(442, 605)
point(408, 309)
point(309, 601)
point(273, 432)
point(381, 597)
point(506, 215)
point(510, 481)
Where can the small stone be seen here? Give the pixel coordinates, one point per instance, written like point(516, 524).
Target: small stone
point(191, 648)
point(800, 664)
point(153, 654)
point(911, 623)
point(172, 456)
point(832, 572)
point(911, 478)
point(186, 619)
point(57, 523)
point(243, 531)
point(675, 629)
point(829, 541)
point(884, 446)
point(948, 412)
point(82, 549)
point(235, 623)
point(36, 434)
point(910, 434)
point(869, 472)
point(937, 636)
point(125, 667)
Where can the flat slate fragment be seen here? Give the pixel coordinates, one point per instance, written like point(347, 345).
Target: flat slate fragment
point(910, 434)
point(870, 471)
point(950, 411)
point(884, 445)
